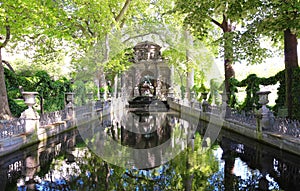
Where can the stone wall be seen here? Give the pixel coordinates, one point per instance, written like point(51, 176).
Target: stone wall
point(280, 141)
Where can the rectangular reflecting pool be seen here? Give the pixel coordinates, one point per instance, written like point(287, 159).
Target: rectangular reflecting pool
point(134, 150)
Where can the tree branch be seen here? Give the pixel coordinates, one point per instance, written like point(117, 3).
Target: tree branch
point(140, 35)
point(7, 37)
point(123, 11)
point(8, 65)
point(216, 22)
point(138, 177)
point(89, 29)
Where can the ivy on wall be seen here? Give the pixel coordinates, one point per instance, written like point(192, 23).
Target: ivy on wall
point(51, 92)
point(252, 83)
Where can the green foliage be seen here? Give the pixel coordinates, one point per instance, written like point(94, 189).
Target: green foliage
point(80, 92)
point(55, 98)
point(198, 90)
point(287, 17)
point(295, 94)
point(200, 60)
point(214, 90)
point(252, 83)
point(16, 106)
point(50, 91)
point(118, 63)
point(222, 23)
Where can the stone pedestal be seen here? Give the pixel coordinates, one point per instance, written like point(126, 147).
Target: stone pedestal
point(70, 106)
point(171, 93)
point(205, 103)
point(225, 107)
point(30, 115)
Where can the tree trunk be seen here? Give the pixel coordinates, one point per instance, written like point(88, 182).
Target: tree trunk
point(229, 71)
point(190, 69)
point(291, 62)
point(228, 157)
point(228, 50)
point(228, 53)
point(4, 107)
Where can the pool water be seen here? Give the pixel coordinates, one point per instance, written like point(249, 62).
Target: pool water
point(78, 159)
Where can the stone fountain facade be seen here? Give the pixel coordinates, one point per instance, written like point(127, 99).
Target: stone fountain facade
point(149, 75)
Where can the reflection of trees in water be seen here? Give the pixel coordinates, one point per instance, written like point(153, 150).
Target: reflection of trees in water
point(193, 169)
point(263, 164)
point(189, 170)
point(25, 165)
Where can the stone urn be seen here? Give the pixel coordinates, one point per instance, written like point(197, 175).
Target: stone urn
point(70, 96)
point(225, 97)
point(29, 98)
point(263, 97)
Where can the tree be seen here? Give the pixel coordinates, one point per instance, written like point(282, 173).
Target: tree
point(95, 26)
point(202, 17)
point(17, 19)
point(279, 20)
point(4, 109)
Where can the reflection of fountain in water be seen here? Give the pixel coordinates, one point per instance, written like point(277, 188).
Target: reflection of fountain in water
point(143, 139)
point(144, 130)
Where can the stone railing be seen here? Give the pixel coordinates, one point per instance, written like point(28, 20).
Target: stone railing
point(98, 105)
point(52, 117)
point(83, 113)
point(286, 127)
point(262, 120)
point(243, 117)
point(32, 127)
point(9, 128)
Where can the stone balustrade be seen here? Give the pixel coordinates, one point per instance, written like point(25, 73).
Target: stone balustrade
point(31, 123)
point(52, 117)
point(32, 127)
point(262, 120)
point(261, 125)
point(9, 128)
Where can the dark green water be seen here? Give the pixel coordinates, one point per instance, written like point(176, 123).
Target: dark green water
point(233, 162)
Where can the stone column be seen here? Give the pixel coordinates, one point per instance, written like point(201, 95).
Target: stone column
point(30, 115)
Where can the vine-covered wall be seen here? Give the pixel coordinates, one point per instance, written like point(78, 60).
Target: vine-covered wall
point(252, 83)
point(51, 92)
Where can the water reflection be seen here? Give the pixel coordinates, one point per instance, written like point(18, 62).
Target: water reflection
point(138, 139)
point(249, 165)
point(143, 130)
point(234, 163)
